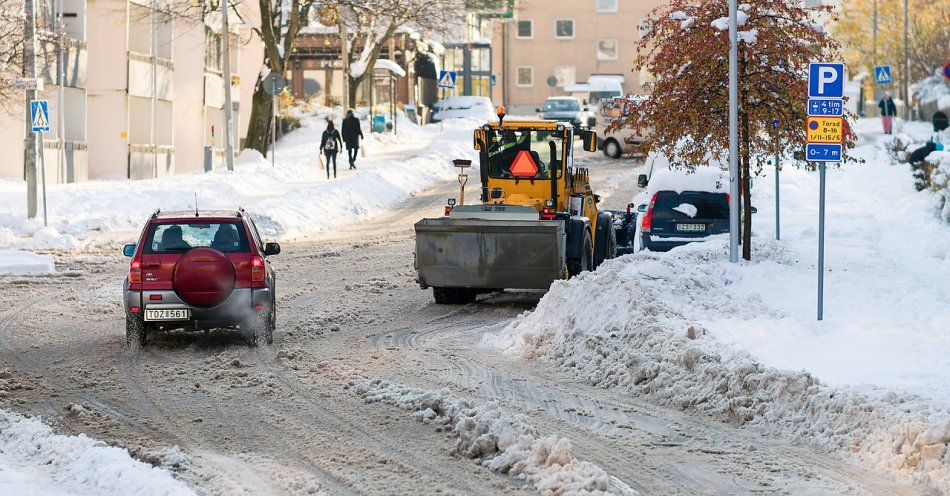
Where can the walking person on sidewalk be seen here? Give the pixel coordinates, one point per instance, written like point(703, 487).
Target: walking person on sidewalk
point(352, 134)
point(330, 144)
point(888, 111)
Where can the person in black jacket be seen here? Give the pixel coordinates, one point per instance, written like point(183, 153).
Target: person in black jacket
point(352, 134)
point(888, 111)
point(330, 144)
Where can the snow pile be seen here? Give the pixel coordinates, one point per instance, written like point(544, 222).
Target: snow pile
point(637, 338)
point(933, 89)
point(19, 263)
point(51, 464)
point(504, 443)
point(291, 199)
point(940, 182)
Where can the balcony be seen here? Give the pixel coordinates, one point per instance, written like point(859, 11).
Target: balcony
point(140, 76)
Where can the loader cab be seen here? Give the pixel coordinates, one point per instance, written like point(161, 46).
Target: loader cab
point(519, 154)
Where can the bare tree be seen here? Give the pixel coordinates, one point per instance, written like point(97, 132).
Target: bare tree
point(369, 25)
point(12, 42)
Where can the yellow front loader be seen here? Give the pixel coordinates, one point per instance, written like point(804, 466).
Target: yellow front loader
point(536, 220)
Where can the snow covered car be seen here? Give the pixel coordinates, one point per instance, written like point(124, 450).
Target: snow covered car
point(453, 107)
point(677, 207)
point(200, 270)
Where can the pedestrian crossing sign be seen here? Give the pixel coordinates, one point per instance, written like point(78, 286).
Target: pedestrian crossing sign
point(882, 74)
point(447, 79)
point(39, 115)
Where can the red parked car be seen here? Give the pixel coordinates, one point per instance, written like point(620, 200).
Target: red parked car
point(200, 270)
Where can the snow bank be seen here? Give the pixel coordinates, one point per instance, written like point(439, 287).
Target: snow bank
point(19, 263)
point(290, 200)
point(504, 443)
point(50, 464)
point(628, 326)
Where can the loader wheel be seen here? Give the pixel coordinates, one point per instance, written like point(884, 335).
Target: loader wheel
point(575, 266)
point(454, 296)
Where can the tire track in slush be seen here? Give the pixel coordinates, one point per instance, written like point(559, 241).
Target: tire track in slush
point(641, 444)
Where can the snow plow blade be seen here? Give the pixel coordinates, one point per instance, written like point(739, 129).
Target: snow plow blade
point(489, 254)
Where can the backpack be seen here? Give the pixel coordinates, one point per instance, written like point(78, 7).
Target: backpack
point(330, 145)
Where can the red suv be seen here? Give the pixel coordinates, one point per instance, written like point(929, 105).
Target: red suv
point(200, 270)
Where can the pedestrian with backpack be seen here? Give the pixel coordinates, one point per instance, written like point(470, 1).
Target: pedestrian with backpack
point(330, 144)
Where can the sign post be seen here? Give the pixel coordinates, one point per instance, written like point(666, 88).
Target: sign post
point(778, 229)
point(446, 81)
point(824, 130)
point(273, 84)
point(39, 117)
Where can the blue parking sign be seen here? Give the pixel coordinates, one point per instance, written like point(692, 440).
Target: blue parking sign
point(825, 80)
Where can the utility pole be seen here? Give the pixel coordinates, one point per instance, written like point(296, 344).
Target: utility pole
point(153, 20)
point(29, 143)
point(60, 82)
point(226, 69)
point(733, 135)
point(906, 79)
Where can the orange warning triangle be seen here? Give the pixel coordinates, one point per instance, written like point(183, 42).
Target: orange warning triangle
point(524, 165)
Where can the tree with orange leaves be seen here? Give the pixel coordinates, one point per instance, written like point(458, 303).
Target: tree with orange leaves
point(685, 46)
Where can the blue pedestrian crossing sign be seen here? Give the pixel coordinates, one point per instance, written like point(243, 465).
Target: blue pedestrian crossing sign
point(825, 80)
point(447, 79)
point(39, 115)
point(882, 74)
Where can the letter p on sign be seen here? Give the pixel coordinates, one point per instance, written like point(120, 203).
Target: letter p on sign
point(825, 80)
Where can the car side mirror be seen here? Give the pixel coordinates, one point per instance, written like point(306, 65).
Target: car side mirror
point(755, 210)
point(642, 208)
point(642, 181)
point(590, 140)
point(271, 249)
point(537, 110)
point(596, 198)
point(128, 250)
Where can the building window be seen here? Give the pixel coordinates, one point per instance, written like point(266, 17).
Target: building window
point(606, 49)
point(564, 29)
point(213, 50)
point(606, 5)
point(525, 76)
point(525, 28)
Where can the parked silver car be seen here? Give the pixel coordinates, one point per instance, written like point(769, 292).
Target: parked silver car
point(566, 109)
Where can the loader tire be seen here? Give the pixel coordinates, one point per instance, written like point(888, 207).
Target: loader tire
point(454, 296)
point(577, 265)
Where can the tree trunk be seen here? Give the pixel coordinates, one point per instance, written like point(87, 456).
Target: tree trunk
point(259, 127)
point(745, 187)
point(354, 87)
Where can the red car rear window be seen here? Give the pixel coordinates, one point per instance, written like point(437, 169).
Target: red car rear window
point(178, 237)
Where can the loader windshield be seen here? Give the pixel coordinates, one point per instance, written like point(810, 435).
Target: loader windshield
point(545, 149)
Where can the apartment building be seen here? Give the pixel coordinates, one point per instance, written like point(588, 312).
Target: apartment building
point(143, 92)
point(551, 45)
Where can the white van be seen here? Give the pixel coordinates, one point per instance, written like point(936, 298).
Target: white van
point(622, 141)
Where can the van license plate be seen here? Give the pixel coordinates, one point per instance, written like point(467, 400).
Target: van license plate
point(691, 227)
point(176, 314)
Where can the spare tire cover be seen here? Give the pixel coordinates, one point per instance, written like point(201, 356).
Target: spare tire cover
point(203, 277)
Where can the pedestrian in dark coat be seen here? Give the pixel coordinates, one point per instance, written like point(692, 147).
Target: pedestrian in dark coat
point(352, 134)
point(888, 111)
point(330, 144)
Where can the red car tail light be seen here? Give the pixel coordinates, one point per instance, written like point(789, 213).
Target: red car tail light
point(135, 271)
point(257, 269)
point(548, 213)
point(647, 223)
